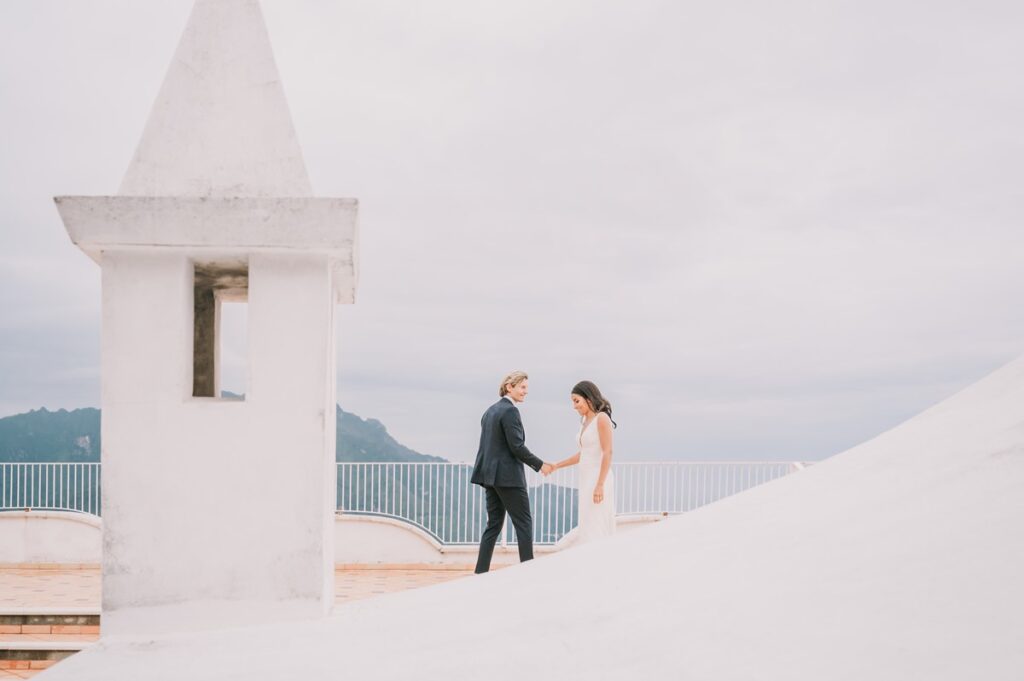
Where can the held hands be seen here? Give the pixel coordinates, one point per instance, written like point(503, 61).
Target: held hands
point(547, 469)
point(599, 494)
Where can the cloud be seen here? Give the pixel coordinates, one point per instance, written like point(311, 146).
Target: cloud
point(765, 231)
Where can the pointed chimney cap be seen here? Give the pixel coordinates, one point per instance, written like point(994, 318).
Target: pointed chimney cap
point(220, 126)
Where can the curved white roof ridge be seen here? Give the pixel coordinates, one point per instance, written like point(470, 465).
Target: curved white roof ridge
point(898, 559)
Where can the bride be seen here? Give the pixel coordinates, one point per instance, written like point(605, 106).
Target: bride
point(597, 483)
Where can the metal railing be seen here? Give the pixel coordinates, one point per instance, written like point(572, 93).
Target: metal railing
point(50, 486)
point(438, 497)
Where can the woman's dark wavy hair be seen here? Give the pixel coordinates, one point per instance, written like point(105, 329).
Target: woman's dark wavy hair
point(590, 392)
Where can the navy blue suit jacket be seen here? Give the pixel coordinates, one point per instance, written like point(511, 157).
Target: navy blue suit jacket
point(502, 453)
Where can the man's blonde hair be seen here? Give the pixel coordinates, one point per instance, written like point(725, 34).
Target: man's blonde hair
point(513, 379)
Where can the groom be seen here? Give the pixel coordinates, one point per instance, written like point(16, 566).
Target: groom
point(499, 470)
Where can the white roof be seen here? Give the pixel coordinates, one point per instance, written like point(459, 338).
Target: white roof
point(899, 559)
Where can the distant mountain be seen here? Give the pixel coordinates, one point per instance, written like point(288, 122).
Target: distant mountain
point(43, 435)
point(368, 440)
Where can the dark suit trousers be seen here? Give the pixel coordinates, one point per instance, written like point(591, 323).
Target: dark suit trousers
point(516, 502)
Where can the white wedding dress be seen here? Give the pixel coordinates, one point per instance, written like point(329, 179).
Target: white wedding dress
point(596, 520)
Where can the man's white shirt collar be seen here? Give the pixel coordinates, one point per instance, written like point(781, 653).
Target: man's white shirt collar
point(514, 403)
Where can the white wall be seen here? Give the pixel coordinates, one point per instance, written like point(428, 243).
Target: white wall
point(368, 540)
point(49, 537)
point(209, 499)
point(75, 538)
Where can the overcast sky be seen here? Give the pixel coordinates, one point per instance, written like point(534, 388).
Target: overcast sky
point(766, 230)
